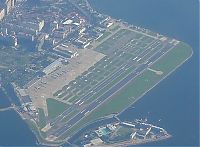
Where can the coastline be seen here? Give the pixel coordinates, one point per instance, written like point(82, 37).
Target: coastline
point(155, 84)
point(164, 77)
point(160, 81)
point(104, 121)
point(40, 138)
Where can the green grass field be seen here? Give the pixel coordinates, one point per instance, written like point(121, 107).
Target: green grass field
point(137, 87)
point(105, 68)
point(106, 34)
point(115, 28)
point(123, 131)
point(176, 56)
point(57, 93)
point(89, 46)
point(55, 107)
point(42, 120)
point(41, 135)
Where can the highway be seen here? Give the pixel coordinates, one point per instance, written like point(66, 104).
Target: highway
point(141, 68)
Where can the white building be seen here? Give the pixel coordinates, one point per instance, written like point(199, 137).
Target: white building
point(53, 66)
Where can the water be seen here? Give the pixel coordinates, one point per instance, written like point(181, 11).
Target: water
point(174, 100)
point(14, 131)
point(4, 101)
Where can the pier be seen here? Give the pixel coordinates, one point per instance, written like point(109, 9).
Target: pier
point(7, 108)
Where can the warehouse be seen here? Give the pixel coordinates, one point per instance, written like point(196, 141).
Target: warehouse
point(53, 66)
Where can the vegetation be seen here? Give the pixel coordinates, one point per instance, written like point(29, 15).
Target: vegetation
point(123, 131)
point(55, 107)
point(40, 135)
point(114, 28)
point(57, 93)
point(106, 34)
point(176, 56)
point(137, 87)
point(42, 120)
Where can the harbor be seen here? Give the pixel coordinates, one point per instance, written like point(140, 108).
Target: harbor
point(115, 132)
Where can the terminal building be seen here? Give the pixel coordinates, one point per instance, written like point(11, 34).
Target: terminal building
point(65, 51)
point(53, 66)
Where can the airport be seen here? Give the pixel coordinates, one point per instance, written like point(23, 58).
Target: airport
point(80, 63)
point(98, 94)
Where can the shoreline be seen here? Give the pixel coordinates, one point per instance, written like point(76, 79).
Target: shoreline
point(122, 143)
point(119, 113)
point(144, 92)
point(129, 143)
point(167, 75)
point(164, 77)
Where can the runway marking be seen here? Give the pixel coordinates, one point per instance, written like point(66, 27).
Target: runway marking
point(86, 113)
point(81, 103)
point(158, 72)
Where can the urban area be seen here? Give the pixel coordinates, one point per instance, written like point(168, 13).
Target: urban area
point(65, 61)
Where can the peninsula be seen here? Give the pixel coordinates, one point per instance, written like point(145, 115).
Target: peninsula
point(70, 65)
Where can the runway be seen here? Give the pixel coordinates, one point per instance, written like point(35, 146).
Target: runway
point(102, 84)
point(141, 68)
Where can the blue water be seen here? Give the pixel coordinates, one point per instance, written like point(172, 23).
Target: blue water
point(174, 100)
point(14, 131)
point(4, 101)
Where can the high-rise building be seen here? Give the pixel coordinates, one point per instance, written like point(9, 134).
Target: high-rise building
point(13, 3)
point(2, 13)
point(7, 5)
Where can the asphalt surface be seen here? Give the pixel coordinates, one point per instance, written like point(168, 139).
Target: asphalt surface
point(100, 86)
point(61, 130)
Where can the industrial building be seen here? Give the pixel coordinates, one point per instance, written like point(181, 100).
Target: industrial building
point(61, 32)
point(66, 51)
point(53, 66)
point(6, 6)
point(24, 97)
point(2, 13)
point(36, 24)
point(40, 41)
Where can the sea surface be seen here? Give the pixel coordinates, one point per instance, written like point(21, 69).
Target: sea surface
point(174, 103)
